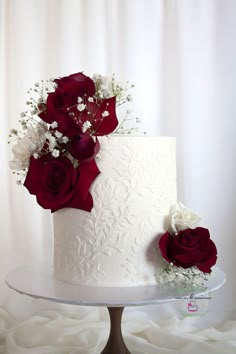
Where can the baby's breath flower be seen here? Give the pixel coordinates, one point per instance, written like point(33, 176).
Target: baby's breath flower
point(14, 132)
point(55, 153)
point(81, 107)
point(105, 114)
point(52, 141)
point(174, 276)
point(58, 134)
point(24, 124)
point(86, 126)
point(65, 139)
point(54, 125)
point(40, 99)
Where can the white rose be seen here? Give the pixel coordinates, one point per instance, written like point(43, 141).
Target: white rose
point(21, 154)
point(182, 218)
point(32, 142)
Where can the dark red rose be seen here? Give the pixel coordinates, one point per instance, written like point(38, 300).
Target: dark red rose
point(78, 82)
point(65, 96)
point(191, 247)
point(61, 107)
point(57, 184)
point(83, 147)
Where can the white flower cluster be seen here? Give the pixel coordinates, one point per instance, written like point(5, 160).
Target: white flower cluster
point(36, 135)
point(179, 277)
point(28, 145)
point(109, 86)
point(54, 139)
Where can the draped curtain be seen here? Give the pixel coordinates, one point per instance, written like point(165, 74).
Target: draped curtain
point(181, 56)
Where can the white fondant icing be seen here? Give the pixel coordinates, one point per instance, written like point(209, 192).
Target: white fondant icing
point(114, 244)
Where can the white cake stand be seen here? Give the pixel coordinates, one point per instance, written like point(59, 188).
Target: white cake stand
point(39, 283)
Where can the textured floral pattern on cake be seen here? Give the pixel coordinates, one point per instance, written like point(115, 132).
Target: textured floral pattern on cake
point(131, 169)
point(101, 236)
point(142, 250)
point(135, 263)
point(117, 238)
point(87, 267)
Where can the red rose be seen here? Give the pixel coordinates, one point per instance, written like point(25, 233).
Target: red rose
point(83, 147)
point(190, 247)
point(77, 84)
point(66, 95)
point(62, 108)
point(57, 184)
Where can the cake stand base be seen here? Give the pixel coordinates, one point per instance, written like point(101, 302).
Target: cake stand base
point(115, 343)
point(40, 283)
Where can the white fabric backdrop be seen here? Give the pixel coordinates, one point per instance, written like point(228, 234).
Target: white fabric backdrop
point(181, 56)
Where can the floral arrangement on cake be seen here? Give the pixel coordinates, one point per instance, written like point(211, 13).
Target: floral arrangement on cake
point(187, 248)
point(56, 146)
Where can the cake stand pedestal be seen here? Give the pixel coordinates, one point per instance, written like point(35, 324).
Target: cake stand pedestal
point(40, 284)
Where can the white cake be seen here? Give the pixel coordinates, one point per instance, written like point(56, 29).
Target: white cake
point(114, 244)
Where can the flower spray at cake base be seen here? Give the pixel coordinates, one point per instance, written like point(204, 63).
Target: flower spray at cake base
point(187, 249)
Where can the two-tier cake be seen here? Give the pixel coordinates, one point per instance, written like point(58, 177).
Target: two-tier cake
point(112, 193)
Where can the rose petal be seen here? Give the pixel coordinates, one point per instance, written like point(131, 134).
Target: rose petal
point(83, 204)
point(205, 265)
point(106, 125)
point(187, 260)
point(164, 244)
point(84, 83)
point(87, 173)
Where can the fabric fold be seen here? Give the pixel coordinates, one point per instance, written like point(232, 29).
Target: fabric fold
point(52, 332)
